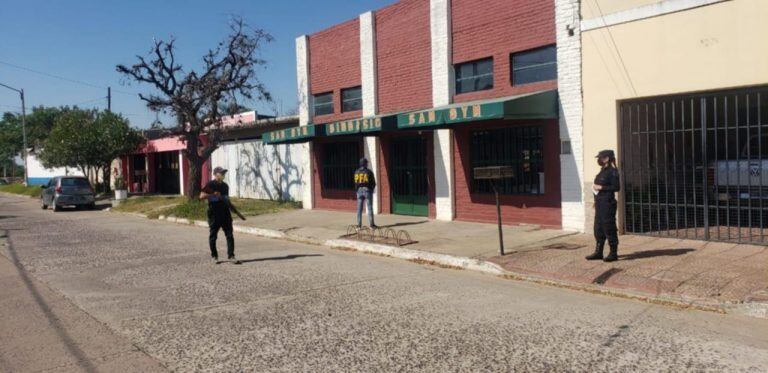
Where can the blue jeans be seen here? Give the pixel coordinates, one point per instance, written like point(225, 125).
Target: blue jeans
point(364, 195)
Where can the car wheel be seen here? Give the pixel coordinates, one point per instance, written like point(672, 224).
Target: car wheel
point(92, 206)
point(56, 207)
point(43, 205)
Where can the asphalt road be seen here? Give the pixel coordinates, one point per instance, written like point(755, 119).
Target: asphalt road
point(294, 307)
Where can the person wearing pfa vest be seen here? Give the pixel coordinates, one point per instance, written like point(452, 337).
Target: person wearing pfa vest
point(605, 187)
point(365, 184)
point(219, 216)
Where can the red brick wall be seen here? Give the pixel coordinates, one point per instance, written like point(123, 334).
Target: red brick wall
point(543, 209)
point(342, 200)
point(404, 57)
point(497, 28)
point(334, 64)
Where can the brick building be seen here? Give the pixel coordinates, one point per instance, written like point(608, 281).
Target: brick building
point(428, 90)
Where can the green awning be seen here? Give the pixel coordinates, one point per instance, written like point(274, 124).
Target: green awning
point(293, 134)
point(361, 125)
point(538, 105)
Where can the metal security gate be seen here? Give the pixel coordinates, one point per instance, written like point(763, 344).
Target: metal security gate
point(696, 166)
point(410, 192)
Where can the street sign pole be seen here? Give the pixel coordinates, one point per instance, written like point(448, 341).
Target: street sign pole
point(498, 216)
point(492, 174)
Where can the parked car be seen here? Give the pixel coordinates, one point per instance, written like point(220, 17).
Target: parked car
point(3, 181)
point(68, 191)
point(745, 178)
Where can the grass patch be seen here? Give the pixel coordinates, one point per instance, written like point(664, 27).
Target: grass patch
point(151, 206)
point(180, 207)
point(32, 191)
point(197, 210)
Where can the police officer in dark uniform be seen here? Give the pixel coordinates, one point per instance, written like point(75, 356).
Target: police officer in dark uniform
point(605, 187)
point(365, 184)
point(219, 216)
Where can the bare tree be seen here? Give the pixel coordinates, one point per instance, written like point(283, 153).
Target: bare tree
point(199, 100)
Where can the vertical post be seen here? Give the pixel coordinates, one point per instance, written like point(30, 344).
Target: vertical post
point(705, 167)
point(24, 135)
point(498, 216)
point(109, 99)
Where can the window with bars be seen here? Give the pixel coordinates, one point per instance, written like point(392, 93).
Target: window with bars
point(536, 65)
point(323, 103)
point(340, 160)
point(519, 147)
point(351, 99)
point(474, 76)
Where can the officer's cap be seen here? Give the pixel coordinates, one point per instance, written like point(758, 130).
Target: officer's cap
point(606, 153)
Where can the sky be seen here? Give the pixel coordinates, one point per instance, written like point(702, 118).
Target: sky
point(65, 52)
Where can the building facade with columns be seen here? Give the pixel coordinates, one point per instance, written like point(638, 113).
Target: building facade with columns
point(429, 90)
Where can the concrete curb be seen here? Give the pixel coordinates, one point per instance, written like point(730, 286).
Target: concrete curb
point(418, 256)
point(752, 309)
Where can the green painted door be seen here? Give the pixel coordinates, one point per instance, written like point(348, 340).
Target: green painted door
point(408, 177)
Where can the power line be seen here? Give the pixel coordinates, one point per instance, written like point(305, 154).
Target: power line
point(89, 101)
point(63, 78)
point(615, 47)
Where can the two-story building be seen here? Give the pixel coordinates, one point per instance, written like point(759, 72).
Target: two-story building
point(428, 90)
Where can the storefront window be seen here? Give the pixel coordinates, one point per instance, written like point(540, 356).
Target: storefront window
point(519, 147)
point(536, 65)
point(474, 76)
point(351, 99)
point(323, 104)
point(340, 160)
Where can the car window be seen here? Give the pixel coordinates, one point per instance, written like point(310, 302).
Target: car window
point(75, 182)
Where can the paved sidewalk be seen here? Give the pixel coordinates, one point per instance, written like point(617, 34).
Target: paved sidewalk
point(699, 272)
point(705, 274)
point(472, 240)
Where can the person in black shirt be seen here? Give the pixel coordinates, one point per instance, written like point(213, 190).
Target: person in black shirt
point(365, 184)
point(604, 188)
point(219, 216)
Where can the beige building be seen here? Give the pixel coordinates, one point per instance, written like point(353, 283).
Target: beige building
point(661, 80)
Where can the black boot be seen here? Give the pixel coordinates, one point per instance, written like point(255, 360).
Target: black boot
point(614, 255)
point(598, 254)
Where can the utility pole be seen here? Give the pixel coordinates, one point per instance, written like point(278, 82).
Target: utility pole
point(109, 99)
point(24, 135)
point(23, 129)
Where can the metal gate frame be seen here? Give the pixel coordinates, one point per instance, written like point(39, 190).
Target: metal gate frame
point(707, 131)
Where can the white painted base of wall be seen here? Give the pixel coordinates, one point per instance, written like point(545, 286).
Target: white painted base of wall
point(371, 153)
point(444, 199)
point(307, 186)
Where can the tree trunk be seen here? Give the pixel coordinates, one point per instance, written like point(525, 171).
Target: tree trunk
point(195, 177)
point(105, 172)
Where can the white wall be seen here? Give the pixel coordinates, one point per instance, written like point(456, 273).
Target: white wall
point(571, 128)
point(262, 171)
point(39, 175)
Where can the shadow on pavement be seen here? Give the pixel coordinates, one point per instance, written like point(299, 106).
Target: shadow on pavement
point(287, 257)
point(655, 253)
point(404, 224)
point(53, 320)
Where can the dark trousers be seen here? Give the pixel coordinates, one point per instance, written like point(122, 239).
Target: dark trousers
point(220, 220)
point(605, 221)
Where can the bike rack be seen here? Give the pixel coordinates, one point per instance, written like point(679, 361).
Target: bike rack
point(387, 236)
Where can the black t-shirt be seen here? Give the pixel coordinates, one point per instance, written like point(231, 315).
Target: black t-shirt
point(214, 202)
point(609, 179)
